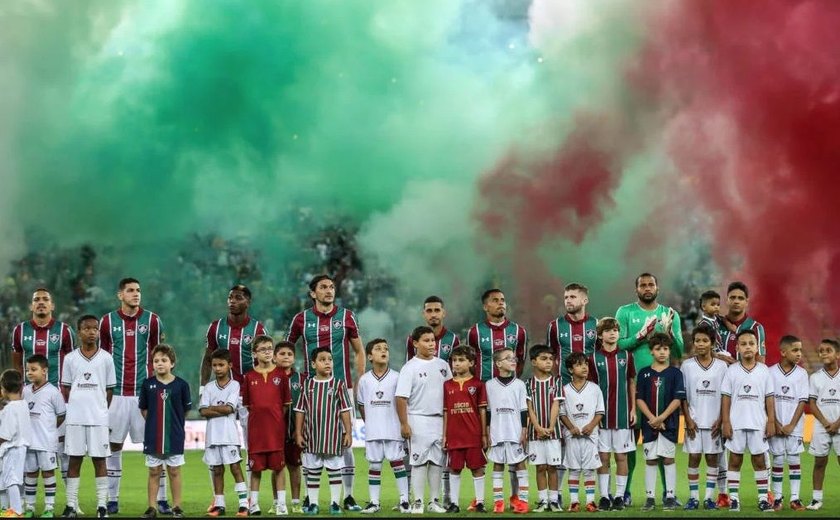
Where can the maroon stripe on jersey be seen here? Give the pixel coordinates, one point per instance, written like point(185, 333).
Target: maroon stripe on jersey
point(497, 334)
point(106, 341)
point(212, 330)
point(129, 356)
point(40, 341)
point(17, 335)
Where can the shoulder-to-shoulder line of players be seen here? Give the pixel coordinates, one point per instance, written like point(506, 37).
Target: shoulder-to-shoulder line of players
point(598, 387)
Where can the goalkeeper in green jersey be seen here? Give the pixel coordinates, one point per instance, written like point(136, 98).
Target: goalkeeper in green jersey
point(638, 321)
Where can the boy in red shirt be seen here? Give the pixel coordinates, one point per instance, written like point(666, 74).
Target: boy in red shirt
point(465, 426)
point(266, 395)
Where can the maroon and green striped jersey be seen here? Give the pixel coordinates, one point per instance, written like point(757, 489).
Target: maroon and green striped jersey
point(295, 387)
point(130, 340)
point(223, 335)
point(613, 372)
point(566, 335)
point(487, 338)
point(321, 402)
point(444, 344)
point(729, 339)
point(53, 341)
point(543, 393)
point(166, 406)
point(332, 330)
point(658, 390)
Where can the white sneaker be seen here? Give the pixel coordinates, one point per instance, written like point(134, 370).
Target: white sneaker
point(404, 508)
point(815, 505)
point(435, 507)
point(370, 508)
point(280, 510)
point(417, 507)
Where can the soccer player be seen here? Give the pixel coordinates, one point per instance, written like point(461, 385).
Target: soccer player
point(284, 357)
point(329, 326)
point(790, 390)
point(545, 393)
point(507, 406)
point(88, 379)
point(702, 378)
point(737, 320)
point(420, 410)
point(581, 413)
point(824, 394)
point(638, 321)
point(465, 427)
point(575, 331)
point(43, 335)
point(234, 333)
point(164, 402)
point(129, 334)
point(445, 340)
point(15, 436)
point(661, 391)
point(615, 374)
point(323, 407)
point(218, 403)
point(377, 405)
point(266, 394)
point(46, 413)
point(748, 417)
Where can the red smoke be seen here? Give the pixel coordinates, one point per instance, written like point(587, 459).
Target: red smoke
point(530, 201)
point(752, 89)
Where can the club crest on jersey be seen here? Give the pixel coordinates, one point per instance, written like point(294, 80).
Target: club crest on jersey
point(747, 388)
point(247, 339)
point(579, 406)
point(379, 394)
point(337, 324)
point(445, 347)
point(295, 386)
point(415, 456)
point(276, 381)
point(164, 395)
point(87, 375)
point(785, 389)
point(443, 372)
point(31, 404)
point(471, 390)
point(54, 338)
point(832, 391)
point(590, 334)
point(511, 338)
point(657, 382)
point(706, 383)
point(622, 362)
point(142, 329)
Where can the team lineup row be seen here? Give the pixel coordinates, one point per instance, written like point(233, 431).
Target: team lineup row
point(130, 333)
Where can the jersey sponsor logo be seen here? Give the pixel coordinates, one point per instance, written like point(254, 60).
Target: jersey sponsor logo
point(247, 339)
point(785, 389)
point(234, 341)
point(54, 338)
point(324, 328)
point(498, 343)
point(276, 381)
point(337, 324)
point(471, 390)
point(747, 388)
point(129, 332)
point(379, 394)
point(577, 337)
point(590, 334)
point(142, 329)
point(40, 343)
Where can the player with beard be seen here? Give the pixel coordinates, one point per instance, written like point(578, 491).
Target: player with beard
point(574, 331)
point(496, 333)
point(234, 333)
point(445, 340)
point(326, 325)
point(129, 334)
point(638, 321)
point(42, 334)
